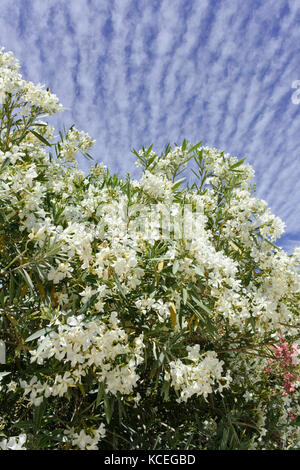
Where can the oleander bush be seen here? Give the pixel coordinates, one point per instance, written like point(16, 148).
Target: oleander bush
point(138, 314)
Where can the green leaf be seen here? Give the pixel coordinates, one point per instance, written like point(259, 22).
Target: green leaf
point(248, 425)
point(5, 163)
point(177, 184)
point(87, 155)
point(27, 279)
point(40, 137)
point(11, 288)
point(2, 298)
point(184, 296)
point(39, 124)
point(151, 159)
point(175, 266)
point(237, 164)
point(194, 147)
point(225, 436)
point(109, 404)
point(272, 244)
point(165, 390)
point(38, 414)
point(251, 321)
point(87, 304)
point(24, 425)
point(195, 311)
point(116, 278)
point(3, 374)
point(149, 150)
point(37, 334)
point(101, 392)
point(201, 304)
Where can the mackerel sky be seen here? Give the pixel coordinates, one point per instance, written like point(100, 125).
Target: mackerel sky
point(137, 72)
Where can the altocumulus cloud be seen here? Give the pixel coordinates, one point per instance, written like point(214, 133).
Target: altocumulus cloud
point(136, 72)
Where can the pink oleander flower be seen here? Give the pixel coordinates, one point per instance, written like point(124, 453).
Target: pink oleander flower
point(287, 359)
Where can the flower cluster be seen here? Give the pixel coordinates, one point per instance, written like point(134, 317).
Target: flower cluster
point(37, 96)
point(14, 443)
point(11, 82)
point(84, 346)
point(84, 441)
point(199, 376)
point(286, 360)
point(74, 142)
point(10, 79)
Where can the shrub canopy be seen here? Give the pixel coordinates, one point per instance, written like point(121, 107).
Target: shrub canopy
point(138, 314)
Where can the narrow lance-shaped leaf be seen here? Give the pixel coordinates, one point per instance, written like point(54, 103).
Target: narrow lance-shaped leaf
point(194, 147)
point(38, 334)
point(237, 164)
point(40, 137)
point(27, 279)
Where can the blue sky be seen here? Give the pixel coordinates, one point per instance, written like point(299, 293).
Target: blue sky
point(137, 72)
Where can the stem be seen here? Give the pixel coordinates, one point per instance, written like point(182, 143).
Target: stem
point(13, 261)
point(290, 326)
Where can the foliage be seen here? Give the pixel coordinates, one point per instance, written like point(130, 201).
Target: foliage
point(138, 314)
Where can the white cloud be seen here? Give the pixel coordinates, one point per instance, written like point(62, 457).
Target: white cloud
point(137, 72)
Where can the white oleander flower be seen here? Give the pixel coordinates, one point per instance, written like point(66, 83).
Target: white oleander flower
point(14, 443)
